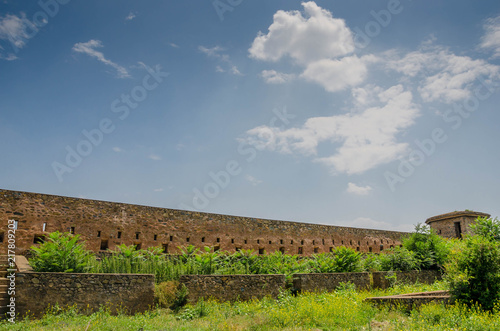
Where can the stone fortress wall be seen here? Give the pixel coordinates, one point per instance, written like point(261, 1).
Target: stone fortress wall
point(106, 225)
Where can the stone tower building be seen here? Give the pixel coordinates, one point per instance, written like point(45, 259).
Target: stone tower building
point(454, 224)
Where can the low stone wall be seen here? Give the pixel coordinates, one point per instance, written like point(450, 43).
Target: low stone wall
point(232, 287)
point(329, 282)
point(35, 291)
point(411, 300)
point(382, 279)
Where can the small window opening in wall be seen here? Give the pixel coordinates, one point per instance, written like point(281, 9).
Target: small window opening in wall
point(323, 241)
point(165, 248)
point(374, 242)
point(392, 246)
point(316, 250)
point(237, 249)
point(291, 242)
point(258, 241)
point(367, 243)
point(359, 243)
point(370, 249)
point(270, 242)
point(38, 239)
point(216, 248)
point(104, 245)
point(171, 238)
point(314, 242)
point(187, 239)
point(381, 248)
point(137, 235)
point(138, 246)
point(72, 230)
point(119, 234)
point(261, 251)
point(282, 250)
point(302, 242)
point(202, 239)
point(350, 242)
point(333, 241)
point(155, 237)
point(246, 241)
point(281, 241)
point(1, 237)
point(458, 230)
point(357, 248)
point(44, 227)
point(342, 242)
point(331, 249)
point(439, 231)
point(218, 240)
point(300, 250)
point(232, 241)
point(98, 234)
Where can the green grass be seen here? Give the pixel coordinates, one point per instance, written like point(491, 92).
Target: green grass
point(341, 310)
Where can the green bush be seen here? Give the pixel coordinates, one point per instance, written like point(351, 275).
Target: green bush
point(474, 272)
point(61, 252)
point(430, 250)
point(342, 259)
point(399, 259)
point(486, 227)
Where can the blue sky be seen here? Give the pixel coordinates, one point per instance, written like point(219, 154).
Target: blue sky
point(363, 113)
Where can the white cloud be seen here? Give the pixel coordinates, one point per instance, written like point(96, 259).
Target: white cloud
point(368, 223)
point(89, 48)
point(235, 71)
point(305, 39)
point(130, 16)
point(174, 45)
point(274, 77)
point(117, 149)
point(212, 52)
point(366, 139)
point(216, 52)
point(158, 190)
point(491, 38)
point(358, 190)
point(336, 75)
point(252, 180)
point(154, 157)
point(444, 76)
point(15, 29)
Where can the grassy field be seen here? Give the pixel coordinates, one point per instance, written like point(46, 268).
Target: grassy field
point(341, 310)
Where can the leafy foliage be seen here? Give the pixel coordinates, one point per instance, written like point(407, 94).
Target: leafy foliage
point(61, 252)
point(399, 259)
point(474, 272)
point(430, 250)
point(486, 227)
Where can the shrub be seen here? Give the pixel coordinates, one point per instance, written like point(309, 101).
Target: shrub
point(61, 252)
point(342, 259)
point(430, 250)
point(399, 259)
point(166, 293)
point(474, 272)
point(486, 227)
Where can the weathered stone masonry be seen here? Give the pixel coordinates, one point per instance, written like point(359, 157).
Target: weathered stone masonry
point(108, 224)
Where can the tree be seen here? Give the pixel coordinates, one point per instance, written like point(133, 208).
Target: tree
point(430, 250)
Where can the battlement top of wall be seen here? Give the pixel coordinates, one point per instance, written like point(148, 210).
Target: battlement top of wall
point(456, 214)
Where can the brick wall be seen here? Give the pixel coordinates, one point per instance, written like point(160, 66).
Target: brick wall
point(108, 224)
point(35, 291)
